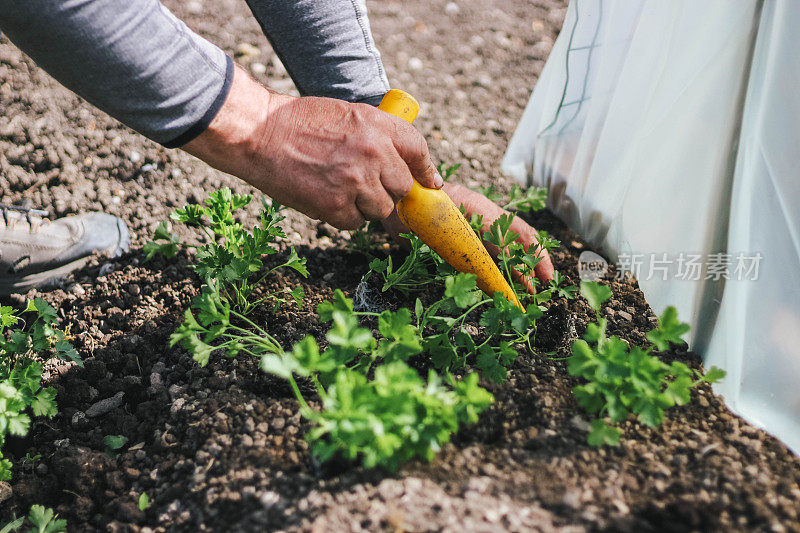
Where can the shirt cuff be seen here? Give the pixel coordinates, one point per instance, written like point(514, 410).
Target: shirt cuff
point(201, 125)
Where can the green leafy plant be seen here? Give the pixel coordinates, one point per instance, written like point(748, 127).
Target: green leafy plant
point(447, 171)
point(558, 286)
point(420, 268)
point(385, 419)
point(442, 323)
point(113, 443)
point(505, 325)
point(374, 406)
point(41, 519)
point(218, 326)
point(233, 255)
point(144, 501)
point(523, 200)
point(30, 460)
point(361, 238)
point(526, 200)
point(32, 333)
point(622, 380)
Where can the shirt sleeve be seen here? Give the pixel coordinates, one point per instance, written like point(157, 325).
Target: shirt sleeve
point(326, 47)
point(131, 58)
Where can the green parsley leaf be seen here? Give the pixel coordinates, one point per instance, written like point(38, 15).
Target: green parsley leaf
point(669, 330)
point(595, 293)
point(600, 434)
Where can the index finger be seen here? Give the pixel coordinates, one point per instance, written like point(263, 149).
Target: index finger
point(413, 148)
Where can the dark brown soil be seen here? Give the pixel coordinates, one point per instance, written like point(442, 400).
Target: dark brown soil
point(221, 449)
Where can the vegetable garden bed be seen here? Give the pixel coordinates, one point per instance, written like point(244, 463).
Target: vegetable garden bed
point(222, 447)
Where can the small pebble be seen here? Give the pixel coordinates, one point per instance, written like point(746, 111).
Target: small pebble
point(135, 157)
point(258, 68)
point(624, 315)
point(278, 67)
point(484, 80)
point(579, 423)
point(451, 9)
point(476, 41)
point(79, 420)
point(415, 63)
point(269, 498)
point(247, 50)
point(5, 491)
point(572, 498)
point(77, 289)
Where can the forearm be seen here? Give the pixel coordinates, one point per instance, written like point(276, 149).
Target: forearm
point(133, 59)
point(332, 160)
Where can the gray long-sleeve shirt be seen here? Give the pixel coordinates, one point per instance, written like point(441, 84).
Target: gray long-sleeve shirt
point(139, 63)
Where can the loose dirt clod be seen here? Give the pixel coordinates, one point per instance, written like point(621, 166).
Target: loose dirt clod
point(104, 406)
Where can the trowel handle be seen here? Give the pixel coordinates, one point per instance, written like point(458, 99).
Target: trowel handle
point(403, 105)
point(435, 219)
point(400, 104)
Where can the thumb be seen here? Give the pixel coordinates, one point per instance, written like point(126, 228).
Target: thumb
point(411, 146)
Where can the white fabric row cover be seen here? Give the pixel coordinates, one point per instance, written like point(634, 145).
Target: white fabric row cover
point(668, 134)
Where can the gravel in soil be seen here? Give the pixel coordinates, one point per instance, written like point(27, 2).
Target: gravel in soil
point(221, 449)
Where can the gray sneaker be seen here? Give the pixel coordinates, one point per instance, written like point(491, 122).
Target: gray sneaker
point(36, 252)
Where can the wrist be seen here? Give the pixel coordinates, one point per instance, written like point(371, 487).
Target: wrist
point(239, 128)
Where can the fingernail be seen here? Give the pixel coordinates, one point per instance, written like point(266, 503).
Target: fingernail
point(438, 181)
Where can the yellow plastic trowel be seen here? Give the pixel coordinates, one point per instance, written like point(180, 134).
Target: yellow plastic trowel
point(435, 219)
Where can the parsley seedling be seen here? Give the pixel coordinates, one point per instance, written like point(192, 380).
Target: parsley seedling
point(233, 256)
point(144, 501)
point(421, 267)
point(384, 420)
point(375, 407)
point(447, 171)
point(526, 200)
point(32, 333)
point(622, 380)
point(41, 520)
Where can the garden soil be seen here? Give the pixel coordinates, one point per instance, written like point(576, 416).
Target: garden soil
point(221, 448)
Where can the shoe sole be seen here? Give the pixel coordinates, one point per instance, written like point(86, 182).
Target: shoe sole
point(23, 284)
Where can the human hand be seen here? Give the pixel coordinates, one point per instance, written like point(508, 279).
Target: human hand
point(332, 160)
point(476, 203)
